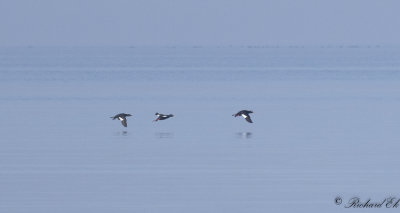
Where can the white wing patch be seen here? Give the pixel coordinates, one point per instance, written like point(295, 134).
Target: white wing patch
point(244, 116)
point(120, 118)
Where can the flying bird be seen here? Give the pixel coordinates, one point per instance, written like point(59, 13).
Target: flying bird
point(162, 116)
point(122, 118)
point(245, 115)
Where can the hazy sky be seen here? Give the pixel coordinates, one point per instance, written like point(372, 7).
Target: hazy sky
point(198, 22)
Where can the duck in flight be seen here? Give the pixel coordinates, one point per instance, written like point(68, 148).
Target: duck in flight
point(245, 115)
point(162, 116)
point(122, 118)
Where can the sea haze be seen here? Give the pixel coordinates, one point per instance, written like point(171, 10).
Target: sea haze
point(326, 124)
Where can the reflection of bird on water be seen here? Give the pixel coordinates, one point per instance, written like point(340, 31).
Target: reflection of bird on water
point(122, 118)
point(121, 133)
point(162, 116)
point(164, 134)
point(245, 115)
point(245, 135)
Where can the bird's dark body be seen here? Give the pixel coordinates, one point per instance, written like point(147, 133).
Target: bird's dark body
point(245, 114)
point(122, 118)
point(121, 115)
point(163, 117)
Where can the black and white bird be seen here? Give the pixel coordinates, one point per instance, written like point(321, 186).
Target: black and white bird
point(245, 115)
point(122, 118)
point(162, 116)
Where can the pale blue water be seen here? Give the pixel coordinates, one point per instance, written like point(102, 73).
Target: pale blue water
point(326, 124)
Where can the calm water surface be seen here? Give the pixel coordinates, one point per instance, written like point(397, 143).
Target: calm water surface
point(326, 124)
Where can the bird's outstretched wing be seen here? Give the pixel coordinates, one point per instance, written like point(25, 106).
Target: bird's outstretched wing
point(248, 119)
point(124, 123)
